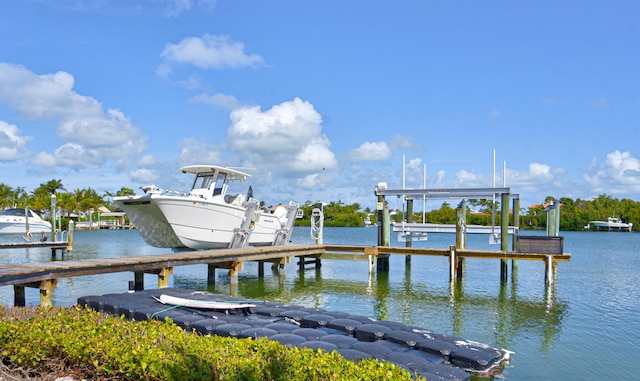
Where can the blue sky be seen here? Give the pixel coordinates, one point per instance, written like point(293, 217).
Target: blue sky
point(106, 94)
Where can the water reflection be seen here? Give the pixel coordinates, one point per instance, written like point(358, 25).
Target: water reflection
point(502, 313)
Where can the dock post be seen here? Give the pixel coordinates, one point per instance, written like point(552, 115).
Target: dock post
point(46, 288)
point(234, 269)
point(163, 277)
point(260, 269)
point(138, 281)
point(452, 263)
point(504, 232)
point(514, 238)
point(54, 205)
point(384, 236)
point(70, 236)
point(18, 296)
point(211, 274)
point(548, 273)
point(372, 254)
point(409, 243)
point(461, 234)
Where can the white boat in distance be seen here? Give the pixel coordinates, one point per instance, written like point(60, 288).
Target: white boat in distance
point(612, 223)
point(15, 221)
point(206, 217)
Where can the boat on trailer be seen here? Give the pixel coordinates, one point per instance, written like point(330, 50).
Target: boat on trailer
point(207, 216)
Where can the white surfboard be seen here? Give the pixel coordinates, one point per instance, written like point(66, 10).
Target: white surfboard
point(208, 304)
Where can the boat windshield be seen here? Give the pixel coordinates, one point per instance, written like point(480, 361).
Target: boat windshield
point(204, 181)
point(222, 177)
point(14, 212)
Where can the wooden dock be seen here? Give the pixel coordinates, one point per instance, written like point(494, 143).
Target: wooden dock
point(54, 246)
point(45, 275)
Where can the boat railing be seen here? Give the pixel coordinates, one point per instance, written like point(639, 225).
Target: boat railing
point(61, 235)
point(152, 189)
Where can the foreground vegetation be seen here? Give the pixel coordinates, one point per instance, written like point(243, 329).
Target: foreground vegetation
point(574, 215)
point(48, 342)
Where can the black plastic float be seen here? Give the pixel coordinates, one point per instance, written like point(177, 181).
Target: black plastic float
point(421, 351)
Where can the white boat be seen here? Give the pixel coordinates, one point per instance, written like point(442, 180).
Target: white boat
point(612, 223)
point(22, 221)
point(206, 217)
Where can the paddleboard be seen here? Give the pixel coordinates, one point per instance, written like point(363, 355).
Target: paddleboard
point(195, 303)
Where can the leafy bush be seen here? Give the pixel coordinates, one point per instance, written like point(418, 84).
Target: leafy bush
point(92, 345)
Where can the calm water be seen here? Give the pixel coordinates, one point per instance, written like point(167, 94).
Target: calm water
point(584, 327)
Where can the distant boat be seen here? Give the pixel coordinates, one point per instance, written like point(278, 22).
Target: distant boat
point(14, 221)
point(612, 223)
point(206, 217)
point(367, 221)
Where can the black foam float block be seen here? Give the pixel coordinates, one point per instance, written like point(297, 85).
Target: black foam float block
point(256, 333)
point(370, 332)
point(353, 354)
point(231, 330)
point(446, 371)
point(341, 341)
point(288, 339)
point(344, 324)
point(309, 333)
point(409, 339)
point(315, 320)
point(317, 344)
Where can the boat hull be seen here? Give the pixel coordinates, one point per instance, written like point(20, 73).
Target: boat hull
point(14, 222)
point(19, 228)
point(149, 221)
point(201, 224)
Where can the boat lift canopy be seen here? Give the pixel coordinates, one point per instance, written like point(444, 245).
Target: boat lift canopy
point(443, 193)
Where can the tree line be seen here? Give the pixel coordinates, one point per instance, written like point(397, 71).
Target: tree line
point(574, 214)
point(78, 201)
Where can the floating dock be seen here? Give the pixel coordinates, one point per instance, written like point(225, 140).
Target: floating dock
point(421, 351)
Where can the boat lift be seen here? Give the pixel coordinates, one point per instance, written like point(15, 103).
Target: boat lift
point(418, 231)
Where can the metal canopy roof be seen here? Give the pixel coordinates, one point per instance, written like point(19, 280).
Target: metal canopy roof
point(447, 192)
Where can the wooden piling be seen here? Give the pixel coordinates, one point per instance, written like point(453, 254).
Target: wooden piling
point(409, 243)
point(504, 234)
point(461, 235)
point(514, 240)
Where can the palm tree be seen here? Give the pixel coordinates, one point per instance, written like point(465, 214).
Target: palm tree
point(6, 194)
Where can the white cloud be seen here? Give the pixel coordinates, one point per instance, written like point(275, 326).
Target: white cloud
point(371, 151)
point(147, 160)
point(176, 7)
point(12, 143)
point(405, 143)
point(195, 152)
point(43, 159)
point(207, 52)
point(535, 177)
point(76, 156)
point(112, 132)
point(473, 180)
point(287, 137)
point(143, 175)
point(618, 174)
point(90, 134)
point(220, 100)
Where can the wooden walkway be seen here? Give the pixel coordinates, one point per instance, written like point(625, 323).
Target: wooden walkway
point(45, 275)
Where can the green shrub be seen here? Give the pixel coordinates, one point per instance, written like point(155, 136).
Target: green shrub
point(94, 345)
